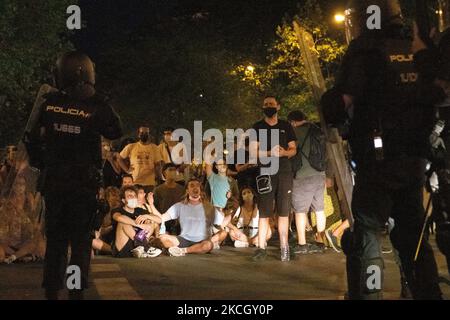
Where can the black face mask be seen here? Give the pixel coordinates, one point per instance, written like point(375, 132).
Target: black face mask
point(144, 137)
point(270, 111)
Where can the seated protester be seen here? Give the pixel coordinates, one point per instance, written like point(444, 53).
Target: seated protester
point(142, 203)
point(223, 190)
point(127, 180)
point(243, 229)
point(166, 195)
point(21, 232)
point(104, 236)
point(128, 222)
point(196, 216)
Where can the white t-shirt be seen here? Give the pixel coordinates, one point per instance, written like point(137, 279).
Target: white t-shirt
point(194, 225)
point(143, 158)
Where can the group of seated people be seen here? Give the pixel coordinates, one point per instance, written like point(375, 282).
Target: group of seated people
point(195, 214)
point(178, 218)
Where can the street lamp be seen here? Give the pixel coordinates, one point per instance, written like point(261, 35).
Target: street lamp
point(339, 17)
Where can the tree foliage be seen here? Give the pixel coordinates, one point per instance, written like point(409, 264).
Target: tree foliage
point(32, 33)
point(284, 73)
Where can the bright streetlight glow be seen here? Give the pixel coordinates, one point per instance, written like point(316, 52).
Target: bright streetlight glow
point(339, 17)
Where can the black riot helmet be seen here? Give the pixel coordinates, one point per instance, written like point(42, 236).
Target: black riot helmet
point(75, 74)
point(356, 15)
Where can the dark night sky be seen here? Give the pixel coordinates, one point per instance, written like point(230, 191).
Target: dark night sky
point(243, 25)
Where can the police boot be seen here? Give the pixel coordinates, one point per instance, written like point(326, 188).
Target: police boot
point(51, 294)
point(76, 294)
point(364, 275)
point(405, 291)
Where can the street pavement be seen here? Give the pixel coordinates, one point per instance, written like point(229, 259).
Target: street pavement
point(227, 273)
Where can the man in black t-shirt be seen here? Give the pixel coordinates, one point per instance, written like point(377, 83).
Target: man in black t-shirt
point(129, 220)
point(281, 180)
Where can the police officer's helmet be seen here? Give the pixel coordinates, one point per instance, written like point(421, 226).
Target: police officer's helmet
point(74, 69)
point(391, 13)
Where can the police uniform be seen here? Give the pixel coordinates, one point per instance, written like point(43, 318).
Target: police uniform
point(69, 133)
point(388, 141)
point(434, 63)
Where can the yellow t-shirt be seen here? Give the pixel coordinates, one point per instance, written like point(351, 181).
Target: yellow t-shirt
point(143, 158)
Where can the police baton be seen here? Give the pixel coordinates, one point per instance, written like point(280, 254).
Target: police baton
point(427, 217)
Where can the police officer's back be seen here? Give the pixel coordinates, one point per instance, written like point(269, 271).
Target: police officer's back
point(388, 139)
point(66, 145)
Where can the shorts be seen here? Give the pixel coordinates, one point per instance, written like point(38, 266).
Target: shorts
point(185, 243)
point(308, 192)
point(125, 252)
point(279, 198)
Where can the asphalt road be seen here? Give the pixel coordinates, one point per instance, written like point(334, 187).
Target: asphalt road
point(227, 273)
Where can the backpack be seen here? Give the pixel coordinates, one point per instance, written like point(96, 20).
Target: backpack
point(317, 150)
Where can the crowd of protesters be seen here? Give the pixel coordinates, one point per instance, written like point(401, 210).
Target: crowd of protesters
point(157, 206)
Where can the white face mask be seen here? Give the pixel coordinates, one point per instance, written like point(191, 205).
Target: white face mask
point(132, 203)
point(196, 198)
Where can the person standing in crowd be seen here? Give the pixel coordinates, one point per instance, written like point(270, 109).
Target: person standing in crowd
point(166, 145)
point(127, 180)
point(128, 220)
point(7, 165)
point(111, 168)
point(308, 187)
point(246, 172)
point(281, 182)
point(389, 141)
point(222, 188)
point(166, 195)
point(196, 216)
point(144, 158)
point(66, 147)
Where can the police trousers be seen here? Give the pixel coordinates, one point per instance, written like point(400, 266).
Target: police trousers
point(69, 217)
point(394, 189)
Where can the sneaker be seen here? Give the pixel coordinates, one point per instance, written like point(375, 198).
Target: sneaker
point(10, 259)
point(139, 252)
point(285, 255)
point(153, 252)
point(176, 252)
point(260, 255)
point(316, 247)
point(332, 240)
point(301, 249)
point(241, 244)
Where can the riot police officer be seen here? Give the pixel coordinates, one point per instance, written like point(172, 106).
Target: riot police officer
point(66, 146)
point(433, 65)
point(376, 91)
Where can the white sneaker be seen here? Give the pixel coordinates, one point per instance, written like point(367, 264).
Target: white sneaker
point(139, 252)
point(10, 259)
point(176, 252)
point(241, 244)
point(153, 252)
